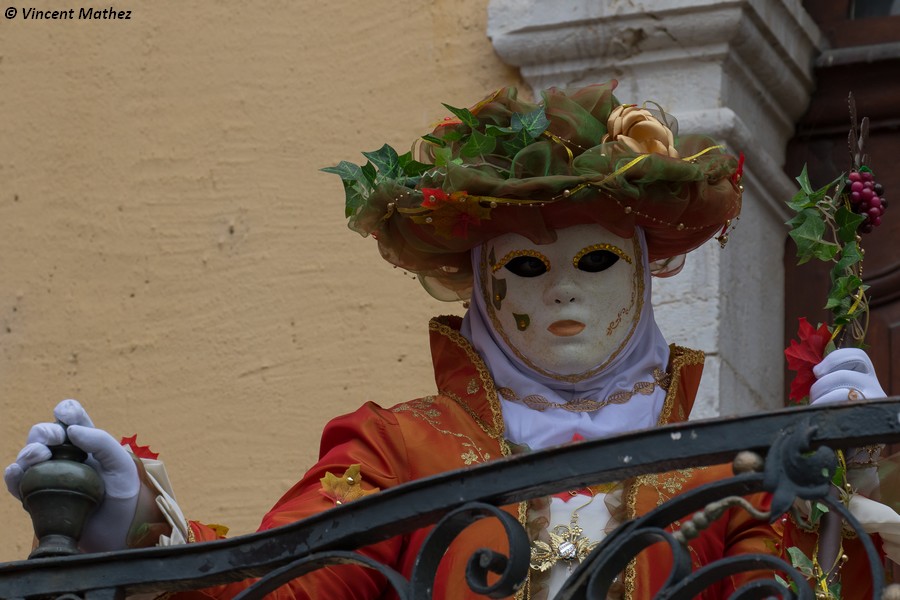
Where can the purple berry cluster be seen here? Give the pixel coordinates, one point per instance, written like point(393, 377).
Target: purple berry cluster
point(866, 198)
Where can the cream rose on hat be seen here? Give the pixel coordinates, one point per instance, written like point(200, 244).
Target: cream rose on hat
point(638, 129)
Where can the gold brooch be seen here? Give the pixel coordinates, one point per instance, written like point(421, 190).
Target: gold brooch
point(568, 544)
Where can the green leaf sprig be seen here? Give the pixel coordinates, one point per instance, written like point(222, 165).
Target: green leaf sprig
point(470, 139)
point(825, 228)
point(382, 164)
point(523, 129)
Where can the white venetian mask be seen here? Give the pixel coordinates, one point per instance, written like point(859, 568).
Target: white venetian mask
point(566, 308)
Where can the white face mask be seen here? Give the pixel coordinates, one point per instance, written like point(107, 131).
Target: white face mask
point(565, 308)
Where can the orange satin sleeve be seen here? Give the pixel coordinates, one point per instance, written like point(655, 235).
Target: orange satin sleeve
point(734, 533)
point(369, 437)
point(746, 535)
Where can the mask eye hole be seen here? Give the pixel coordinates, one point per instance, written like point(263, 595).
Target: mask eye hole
point(526, 266)
point(596, 261)
point(524, 263)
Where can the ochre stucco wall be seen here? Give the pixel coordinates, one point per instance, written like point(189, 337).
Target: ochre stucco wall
point(169, 252)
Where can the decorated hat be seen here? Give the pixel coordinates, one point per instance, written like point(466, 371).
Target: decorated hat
point(510, 166)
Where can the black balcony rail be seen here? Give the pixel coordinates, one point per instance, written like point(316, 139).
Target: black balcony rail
point(795, 443)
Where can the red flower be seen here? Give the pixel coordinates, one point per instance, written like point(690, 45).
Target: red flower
point(802, 356)
point(431, 197)
point(139, 451)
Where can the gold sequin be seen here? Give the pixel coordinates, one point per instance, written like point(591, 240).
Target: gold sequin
point(516, 254)
point(608, 247)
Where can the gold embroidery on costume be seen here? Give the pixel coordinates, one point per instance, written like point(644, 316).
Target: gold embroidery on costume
point(346, 488)
point(638, 285)
point(525, 591)
point(496, 431)
point(667, 485)
point(540, 404)
point(423, 409)
point(679, 357)
point(473, 387)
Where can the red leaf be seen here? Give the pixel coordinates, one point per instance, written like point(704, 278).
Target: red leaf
point(139, 451)
point(432, 196)
point(802, 356)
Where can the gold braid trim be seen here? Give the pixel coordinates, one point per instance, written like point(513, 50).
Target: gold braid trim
point(680, 357)
point(525, 591)
point(540, 404)
point(440, 325)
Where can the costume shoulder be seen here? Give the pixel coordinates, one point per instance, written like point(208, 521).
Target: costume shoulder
point(683, 379)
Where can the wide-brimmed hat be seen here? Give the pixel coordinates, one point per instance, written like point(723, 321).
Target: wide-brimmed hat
point(506, 165)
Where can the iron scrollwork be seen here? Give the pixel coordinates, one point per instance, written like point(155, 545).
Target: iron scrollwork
point(798, 464)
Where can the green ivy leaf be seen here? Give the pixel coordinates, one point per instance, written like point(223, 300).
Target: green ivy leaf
point(442, 156)
point(801, 561)
point(368, 170)
point(410, 167)
point(433, 139)
point(452, 135)
point(808, 230)
point(464, 115)
point(534, 123)
point(478, 144)
point(495, 131)
point(820, 193)
point(803, 180)
point(841, 290)
point(850, 255)
point(782, 581)
point(800, 201)
point(386, 161)
point(847, 222)
point(356, 185)
point(513, 145)
point(347, 171)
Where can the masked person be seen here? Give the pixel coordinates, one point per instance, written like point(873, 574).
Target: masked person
point(549, 219)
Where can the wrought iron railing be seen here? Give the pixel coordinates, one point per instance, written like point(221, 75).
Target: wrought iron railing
point(797, 463)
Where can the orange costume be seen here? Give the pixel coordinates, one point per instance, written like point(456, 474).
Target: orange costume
point(461, 425)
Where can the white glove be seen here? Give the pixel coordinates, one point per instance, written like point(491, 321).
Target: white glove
point(845, 375)
point(107, 527)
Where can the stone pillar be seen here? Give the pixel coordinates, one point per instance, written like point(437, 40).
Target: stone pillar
point(740, 71)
